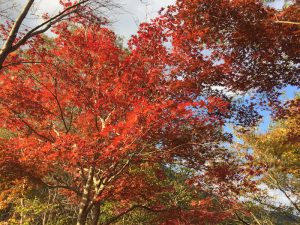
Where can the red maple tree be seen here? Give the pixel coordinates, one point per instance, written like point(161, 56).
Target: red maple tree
point(92, 111)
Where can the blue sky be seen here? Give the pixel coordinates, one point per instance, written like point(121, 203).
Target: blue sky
point(288, 93)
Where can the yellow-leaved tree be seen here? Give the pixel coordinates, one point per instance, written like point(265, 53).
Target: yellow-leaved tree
point(278, 150)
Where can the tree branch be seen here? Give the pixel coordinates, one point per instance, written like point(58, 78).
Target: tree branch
point(26, 123)
point(7, 47)
point(60, 110)
point(65, 187)
point(287, 22)
point(23, 62)
point(284, 192)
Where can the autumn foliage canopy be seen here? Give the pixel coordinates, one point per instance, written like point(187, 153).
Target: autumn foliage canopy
point(104, 123)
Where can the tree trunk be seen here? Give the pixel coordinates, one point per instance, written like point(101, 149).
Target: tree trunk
point(95, 214)
point(3, 56)
point(82, 217)
point(85, 199)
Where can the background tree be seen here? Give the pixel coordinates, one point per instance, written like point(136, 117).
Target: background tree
point(278, 150)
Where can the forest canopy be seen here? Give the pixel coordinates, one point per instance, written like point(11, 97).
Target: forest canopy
point(93, 131)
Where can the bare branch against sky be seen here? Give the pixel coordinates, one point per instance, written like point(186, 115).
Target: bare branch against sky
point(15, 38)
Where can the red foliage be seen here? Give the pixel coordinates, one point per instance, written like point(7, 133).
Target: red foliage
point(91, 103)
point(93, 109)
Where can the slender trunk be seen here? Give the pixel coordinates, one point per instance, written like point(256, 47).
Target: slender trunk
point(22, 202)
point(82, 217)
point(21, 214)
point(95, 214)
point(255, 218)
point(85, 199)
point(289, 198)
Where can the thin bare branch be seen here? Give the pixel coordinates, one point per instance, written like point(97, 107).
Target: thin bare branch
point(287, 22)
